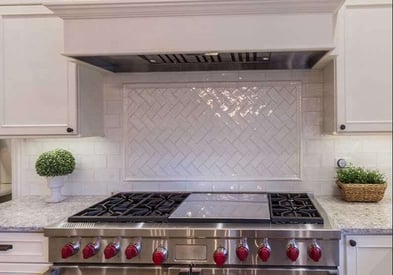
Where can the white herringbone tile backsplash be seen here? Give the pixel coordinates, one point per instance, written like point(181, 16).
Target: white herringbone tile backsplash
point(226, 131)
point(101, 160)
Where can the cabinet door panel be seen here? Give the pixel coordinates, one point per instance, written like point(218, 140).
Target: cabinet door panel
point(374, 260)
point(36, 99)
point(371, 255)
point(365, 98)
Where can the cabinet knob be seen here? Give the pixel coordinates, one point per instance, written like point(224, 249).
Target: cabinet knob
point(352, 242)
point(5, 247)
point(342, 127)
point(69, 130)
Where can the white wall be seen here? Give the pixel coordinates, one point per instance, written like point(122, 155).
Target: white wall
point(100, 159)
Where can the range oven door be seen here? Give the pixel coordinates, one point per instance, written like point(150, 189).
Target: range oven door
point(139, 270)
point(252, 271)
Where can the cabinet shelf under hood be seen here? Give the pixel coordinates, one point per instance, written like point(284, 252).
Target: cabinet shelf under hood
point(181, 35)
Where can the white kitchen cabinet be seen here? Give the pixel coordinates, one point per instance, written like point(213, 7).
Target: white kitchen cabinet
point(362, 70)
point(23, 253)
point(42, 92)
point(368, 254)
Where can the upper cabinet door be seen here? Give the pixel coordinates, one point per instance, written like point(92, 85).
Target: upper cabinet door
point(35, 98)
point(364, 68)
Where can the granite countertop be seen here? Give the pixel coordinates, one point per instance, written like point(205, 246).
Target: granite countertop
point(32, 213)
point(358, 217)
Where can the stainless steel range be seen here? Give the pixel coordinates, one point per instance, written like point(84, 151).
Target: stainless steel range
point(196, 233)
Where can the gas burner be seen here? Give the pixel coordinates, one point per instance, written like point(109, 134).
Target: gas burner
point(132, 207)
point(293, 208)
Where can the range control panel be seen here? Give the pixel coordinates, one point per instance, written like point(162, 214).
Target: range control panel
point(218, 252)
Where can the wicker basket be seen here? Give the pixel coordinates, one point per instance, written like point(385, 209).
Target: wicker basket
point(362, 192)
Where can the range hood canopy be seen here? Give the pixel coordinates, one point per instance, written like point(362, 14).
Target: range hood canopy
point(189, 35)
point(205, 61)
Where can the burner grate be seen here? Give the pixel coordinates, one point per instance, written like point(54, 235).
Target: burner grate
point(293, 208)
point(132, 207)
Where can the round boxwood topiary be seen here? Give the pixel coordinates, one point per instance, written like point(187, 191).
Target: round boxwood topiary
point(57, 162)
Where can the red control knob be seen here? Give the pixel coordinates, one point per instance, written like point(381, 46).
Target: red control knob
point(242, 252)
point(133, 250)
point(160, 255)
point(111, 250)
point(90, 250)
point(292, 251)
point(264, 253)
point(264, 250)
point(220, 256)
point(314, 251)
point(69, 249)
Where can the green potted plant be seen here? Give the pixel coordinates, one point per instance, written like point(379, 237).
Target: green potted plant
point(55, 165)
point(360, 184)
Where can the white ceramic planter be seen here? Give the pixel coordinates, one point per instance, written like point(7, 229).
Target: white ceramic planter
point(55, 184)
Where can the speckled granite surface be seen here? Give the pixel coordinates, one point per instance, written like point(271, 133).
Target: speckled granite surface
point(32, 213)
point(358, 217)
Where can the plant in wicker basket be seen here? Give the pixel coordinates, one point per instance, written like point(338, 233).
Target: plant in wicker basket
point(360, 184)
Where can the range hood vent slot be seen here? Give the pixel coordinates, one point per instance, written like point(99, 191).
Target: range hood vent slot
point(205, 61)
point(248, 57)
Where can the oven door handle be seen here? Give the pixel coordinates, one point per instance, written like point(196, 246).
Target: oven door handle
point(190, 271)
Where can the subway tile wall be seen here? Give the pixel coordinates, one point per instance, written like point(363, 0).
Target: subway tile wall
point(100, 159)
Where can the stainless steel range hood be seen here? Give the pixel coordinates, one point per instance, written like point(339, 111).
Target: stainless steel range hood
point(205, 61)
point(194, 35)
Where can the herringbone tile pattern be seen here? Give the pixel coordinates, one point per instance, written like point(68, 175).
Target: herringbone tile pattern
point(227, 131)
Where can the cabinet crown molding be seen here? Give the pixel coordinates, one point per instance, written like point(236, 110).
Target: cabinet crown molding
point(149, 8)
